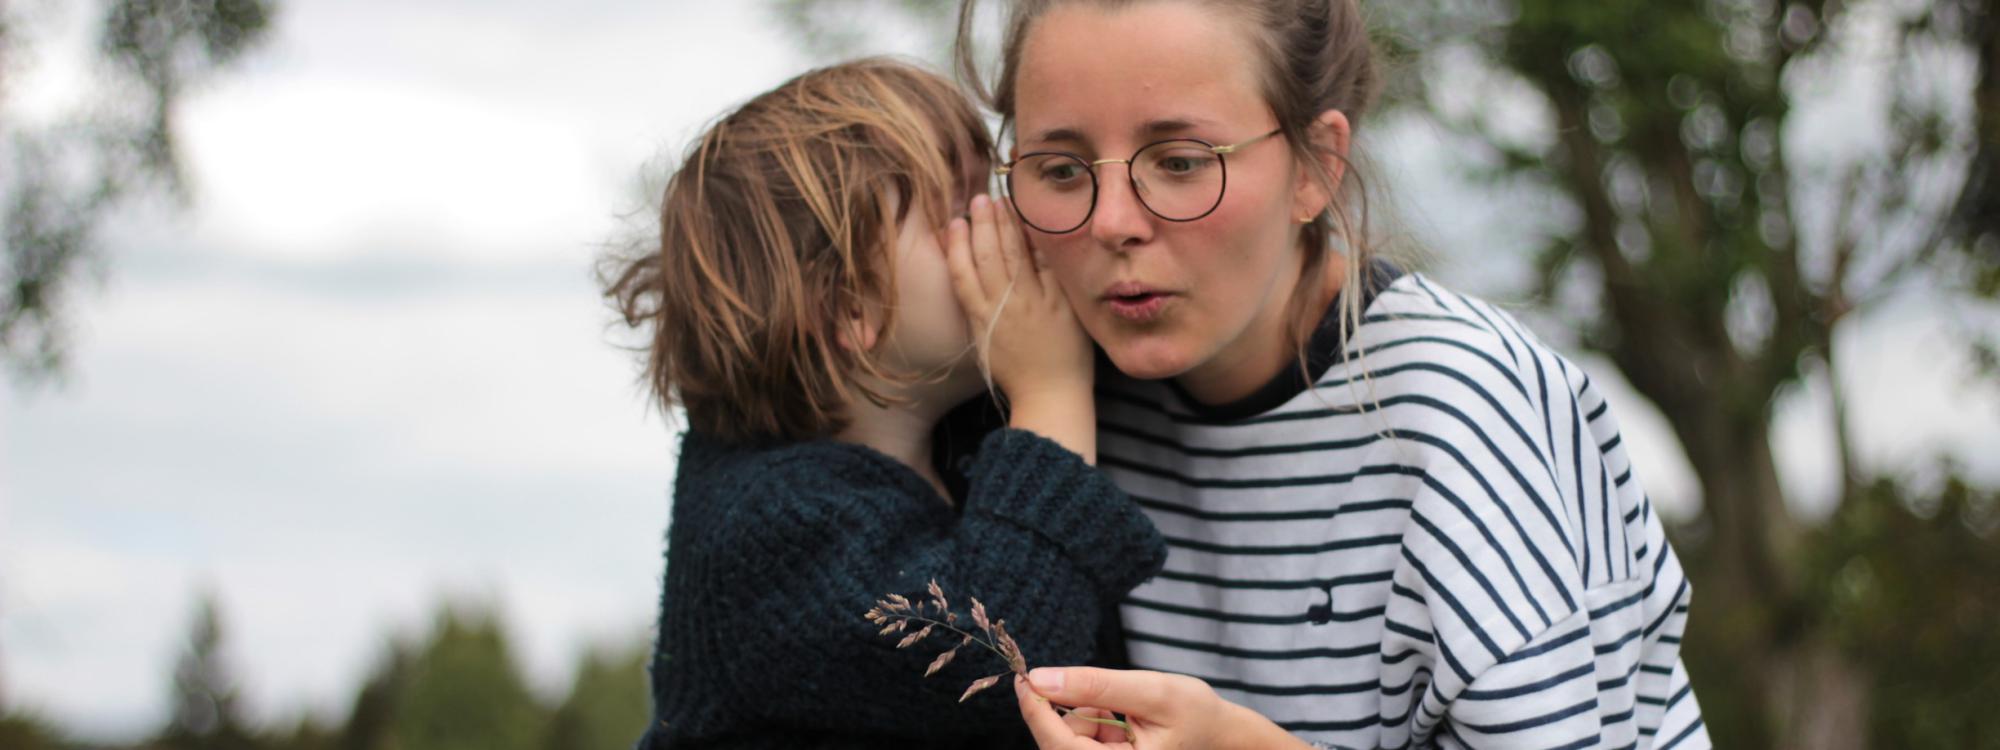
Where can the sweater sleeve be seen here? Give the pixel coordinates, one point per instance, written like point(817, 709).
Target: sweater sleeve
point(1046, 542)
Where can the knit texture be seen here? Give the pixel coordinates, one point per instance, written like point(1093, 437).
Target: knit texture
point(775, 553)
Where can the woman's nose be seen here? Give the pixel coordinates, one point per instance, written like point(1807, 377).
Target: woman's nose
point(1120, 220)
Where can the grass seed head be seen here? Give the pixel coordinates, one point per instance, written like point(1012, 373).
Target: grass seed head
point(980, 684)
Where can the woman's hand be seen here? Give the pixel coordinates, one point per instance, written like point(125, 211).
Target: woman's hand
point(1162, 712)
point(1028, 339)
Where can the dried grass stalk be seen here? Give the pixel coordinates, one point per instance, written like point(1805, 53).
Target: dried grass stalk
point(895, 612)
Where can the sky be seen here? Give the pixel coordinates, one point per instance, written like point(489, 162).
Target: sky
point(367, 369)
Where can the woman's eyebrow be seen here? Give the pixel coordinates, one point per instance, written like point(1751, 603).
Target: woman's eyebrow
point(1173, 126)
point(1059, 135)
point(1149, 129)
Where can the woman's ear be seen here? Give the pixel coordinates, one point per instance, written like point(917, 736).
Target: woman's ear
point(1330, 133)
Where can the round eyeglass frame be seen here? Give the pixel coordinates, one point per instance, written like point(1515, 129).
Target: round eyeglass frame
point(1006, 172)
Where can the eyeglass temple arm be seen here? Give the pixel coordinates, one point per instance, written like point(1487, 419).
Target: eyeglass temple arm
point(1231, 148)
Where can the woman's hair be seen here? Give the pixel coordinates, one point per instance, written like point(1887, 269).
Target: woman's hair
point(774, 233)
point(1314, 55)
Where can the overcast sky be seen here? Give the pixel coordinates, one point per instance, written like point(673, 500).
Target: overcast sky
point(369, 369)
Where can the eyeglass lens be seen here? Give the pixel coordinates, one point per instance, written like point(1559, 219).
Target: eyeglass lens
point(1177, 180)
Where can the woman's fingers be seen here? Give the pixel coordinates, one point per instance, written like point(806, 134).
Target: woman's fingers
point(1050, 730)
point(1093, 723)
point(1156, 696)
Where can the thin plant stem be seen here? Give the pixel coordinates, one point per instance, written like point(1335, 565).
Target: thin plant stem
point(1060, 708)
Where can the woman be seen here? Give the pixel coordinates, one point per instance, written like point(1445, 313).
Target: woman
point(1394, 517)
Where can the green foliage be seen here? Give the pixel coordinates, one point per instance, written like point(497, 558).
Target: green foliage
point(457, 688)
point(164, 46)
point(375, 705)
point(1909, 581)
point(832, 29)
point(58, 183)
point(464, 692)
point(206, 715)
point(1720, 269)
point(25, 732)
point(460, 688)
point(607, 705)
point(307, 734)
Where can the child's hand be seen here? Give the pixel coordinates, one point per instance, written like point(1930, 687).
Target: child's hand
point(1028, 339)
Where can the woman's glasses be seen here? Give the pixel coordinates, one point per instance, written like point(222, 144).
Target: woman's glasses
point(1180, 179)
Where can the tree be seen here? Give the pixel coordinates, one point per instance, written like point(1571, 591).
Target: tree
point(607, 706)
point(206, 712)
point(304, 734)
point(1907, 580)
point(368, 724)
point(25, 732)
point(58, 183)
point(1715, 272)
point(464, 692)
point(1720, 274)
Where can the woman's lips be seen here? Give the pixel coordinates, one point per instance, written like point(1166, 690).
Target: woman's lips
point(1136, 302)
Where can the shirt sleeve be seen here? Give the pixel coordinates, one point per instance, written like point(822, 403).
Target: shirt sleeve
point(1536, 582)
point(1044, 541)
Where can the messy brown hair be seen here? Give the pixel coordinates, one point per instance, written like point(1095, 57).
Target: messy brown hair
point(1314, 56)
point(773, 234)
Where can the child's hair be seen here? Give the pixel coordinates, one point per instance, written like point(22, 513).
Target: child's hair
point(774, 233)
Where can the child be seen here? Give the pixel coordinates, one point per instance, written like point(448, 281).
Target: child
point(801, 305)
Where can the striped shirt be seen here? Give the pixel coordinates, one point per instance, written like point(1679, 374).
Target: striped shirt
point(1441, 542)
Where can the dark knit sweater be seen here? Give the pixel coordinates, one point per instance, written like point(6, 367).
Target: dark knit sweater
point(775, 552)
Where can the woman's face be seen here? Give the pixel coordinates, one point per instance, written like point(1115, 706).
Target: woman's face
point(1203, 301)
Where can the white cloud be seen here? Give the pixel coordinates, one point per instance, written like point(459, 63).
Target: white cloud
point(330, 462)
point(319, 167)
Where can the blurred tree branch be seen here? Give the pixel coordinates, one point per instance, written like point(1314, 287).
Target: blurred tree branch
point(833, 29)
point(60, 181)
point(1723, 269)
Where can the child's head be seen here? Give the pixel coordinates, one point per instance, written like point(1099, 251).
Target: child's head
point(778, 241)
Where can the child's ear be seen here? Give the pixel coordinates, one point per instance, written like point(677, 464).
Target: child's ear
point(862, 328)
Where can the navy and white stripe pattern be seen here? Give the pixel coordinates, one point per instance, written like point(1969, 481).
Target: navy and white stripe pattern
point(1441, 543)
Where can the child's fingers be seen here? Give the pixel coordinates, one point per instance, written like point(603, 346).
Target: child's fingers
point(1009, 236)
point(964, 277)
point(986, 248)
point(1025, 257)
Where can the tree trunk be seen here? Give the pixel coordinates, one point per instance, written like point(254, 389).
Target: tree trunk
point(1752, 642)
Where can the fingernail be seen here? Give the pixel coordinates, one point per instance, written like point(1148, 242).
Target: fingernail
point(1046, 680)
point(979, 201)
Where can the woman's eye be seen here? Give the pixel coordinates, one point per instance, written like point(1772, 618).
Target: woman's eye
point(1183, 163)
point(1062, 172)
